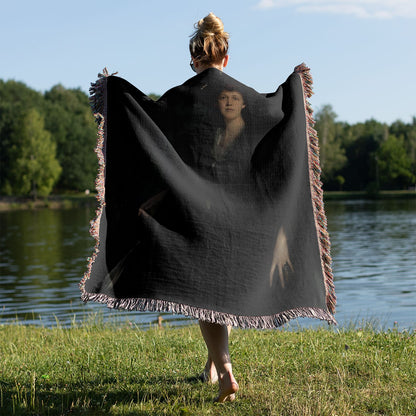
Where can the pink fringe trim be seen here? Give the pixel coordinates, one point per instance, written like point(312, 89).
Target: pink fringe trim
point(316, 189)
point(258, 322)
point(98, 103)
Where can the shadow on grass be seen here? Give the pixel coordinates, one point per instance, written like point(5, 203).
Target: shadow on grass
point(98, 397)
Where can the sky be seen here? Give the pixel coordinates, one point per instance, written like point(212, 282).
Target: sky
point(361, 53)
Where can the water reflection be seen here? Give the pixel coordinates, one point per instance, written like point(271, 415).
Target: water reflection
point(43, 257)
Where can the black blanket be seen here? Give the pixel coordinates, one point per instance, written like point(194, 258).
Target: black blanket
point(210, 202)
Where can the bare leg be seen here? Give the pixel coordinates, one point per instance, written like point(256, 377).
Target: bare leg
point(216, 339)
point(210, 374)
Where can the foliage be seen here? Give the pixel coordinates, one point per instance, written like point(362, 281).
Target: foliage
point(34, 167)
point(332, 154)
point(366, 156)
point(99, 369)
point(154, 96)
point(394, 163)
point(69, 118)
point(16, 99)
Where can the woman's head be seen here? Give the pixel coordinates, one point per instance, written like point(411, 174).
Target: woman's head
point(209, 44)
point(231, 104)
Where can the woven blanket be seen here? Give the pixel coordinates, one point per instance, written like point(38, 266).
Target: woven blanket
point(210, 202)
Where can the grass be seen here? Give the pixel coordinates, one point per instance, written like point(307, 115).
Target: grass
point(103, 369)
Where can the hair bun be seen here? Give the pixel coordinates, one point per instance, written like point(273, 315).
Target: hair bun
point(210, 25)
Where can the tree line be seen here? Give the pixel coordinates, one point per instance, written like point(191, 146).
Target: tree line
point(47, 140)
point(47, 143)
point(368, 156)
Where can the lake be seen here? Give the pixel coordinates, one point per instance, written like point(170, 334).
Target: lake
point(43, 257)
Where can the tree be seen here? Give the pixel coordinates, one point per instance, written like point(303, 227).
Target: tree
point(154, 96)
point(34, 166)
point(71, 123)
point(394, 164)
point(332, 154)
point(15, 100)
point(408, 133)
point(361, 142)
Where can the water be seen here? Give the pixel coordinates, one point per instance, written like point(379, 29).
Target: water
point(43, 257)
point(374, 260)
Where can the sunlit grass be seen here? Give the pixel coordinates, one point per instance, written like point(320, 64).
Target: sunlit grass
point(98, 368)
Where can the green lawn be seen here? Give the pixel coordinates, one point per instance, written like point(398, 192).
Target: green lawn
point(104, 369)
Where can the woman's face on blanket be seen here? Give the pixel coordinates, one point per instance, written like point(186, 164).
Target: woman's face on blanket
point(231, 104)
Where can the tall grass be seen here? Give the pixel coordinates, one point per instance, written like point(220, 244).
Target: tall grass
point(104, 369)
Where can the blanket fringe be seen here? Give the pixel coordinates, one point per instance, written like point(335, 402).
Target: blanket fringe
point(316, 188)
point(98, 107)
point(258, 322)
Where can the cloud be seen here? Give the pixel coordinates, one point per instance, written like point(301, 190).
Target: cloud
point(365, 9)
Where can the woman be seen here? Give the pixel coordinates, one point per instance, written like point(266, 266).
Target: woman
point(209, 49)
point(205, 213)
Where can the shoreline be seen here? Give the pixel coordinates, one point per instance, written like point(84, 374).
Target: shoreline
point(61, 201)
point(348, 195)
point(68, 201)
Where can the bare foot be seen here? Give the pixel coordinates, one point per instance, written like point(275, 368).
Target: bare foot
point(228, 388)
point(209, 375)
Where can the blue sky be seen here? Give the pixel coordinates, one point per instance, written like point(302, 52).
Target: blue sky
point(361, 53)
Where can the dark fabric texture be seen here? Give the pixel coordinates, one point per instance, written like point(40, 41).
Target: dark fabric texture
point(210, 203)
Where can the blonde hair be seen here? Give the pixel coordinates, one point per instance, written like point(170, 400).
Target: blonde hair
point(209, 42)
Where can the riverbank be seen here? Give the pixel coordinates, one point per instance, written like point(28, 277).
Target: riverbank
point(64, 201)
point(67, 201)
point(99, 369)
point(340, 195)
